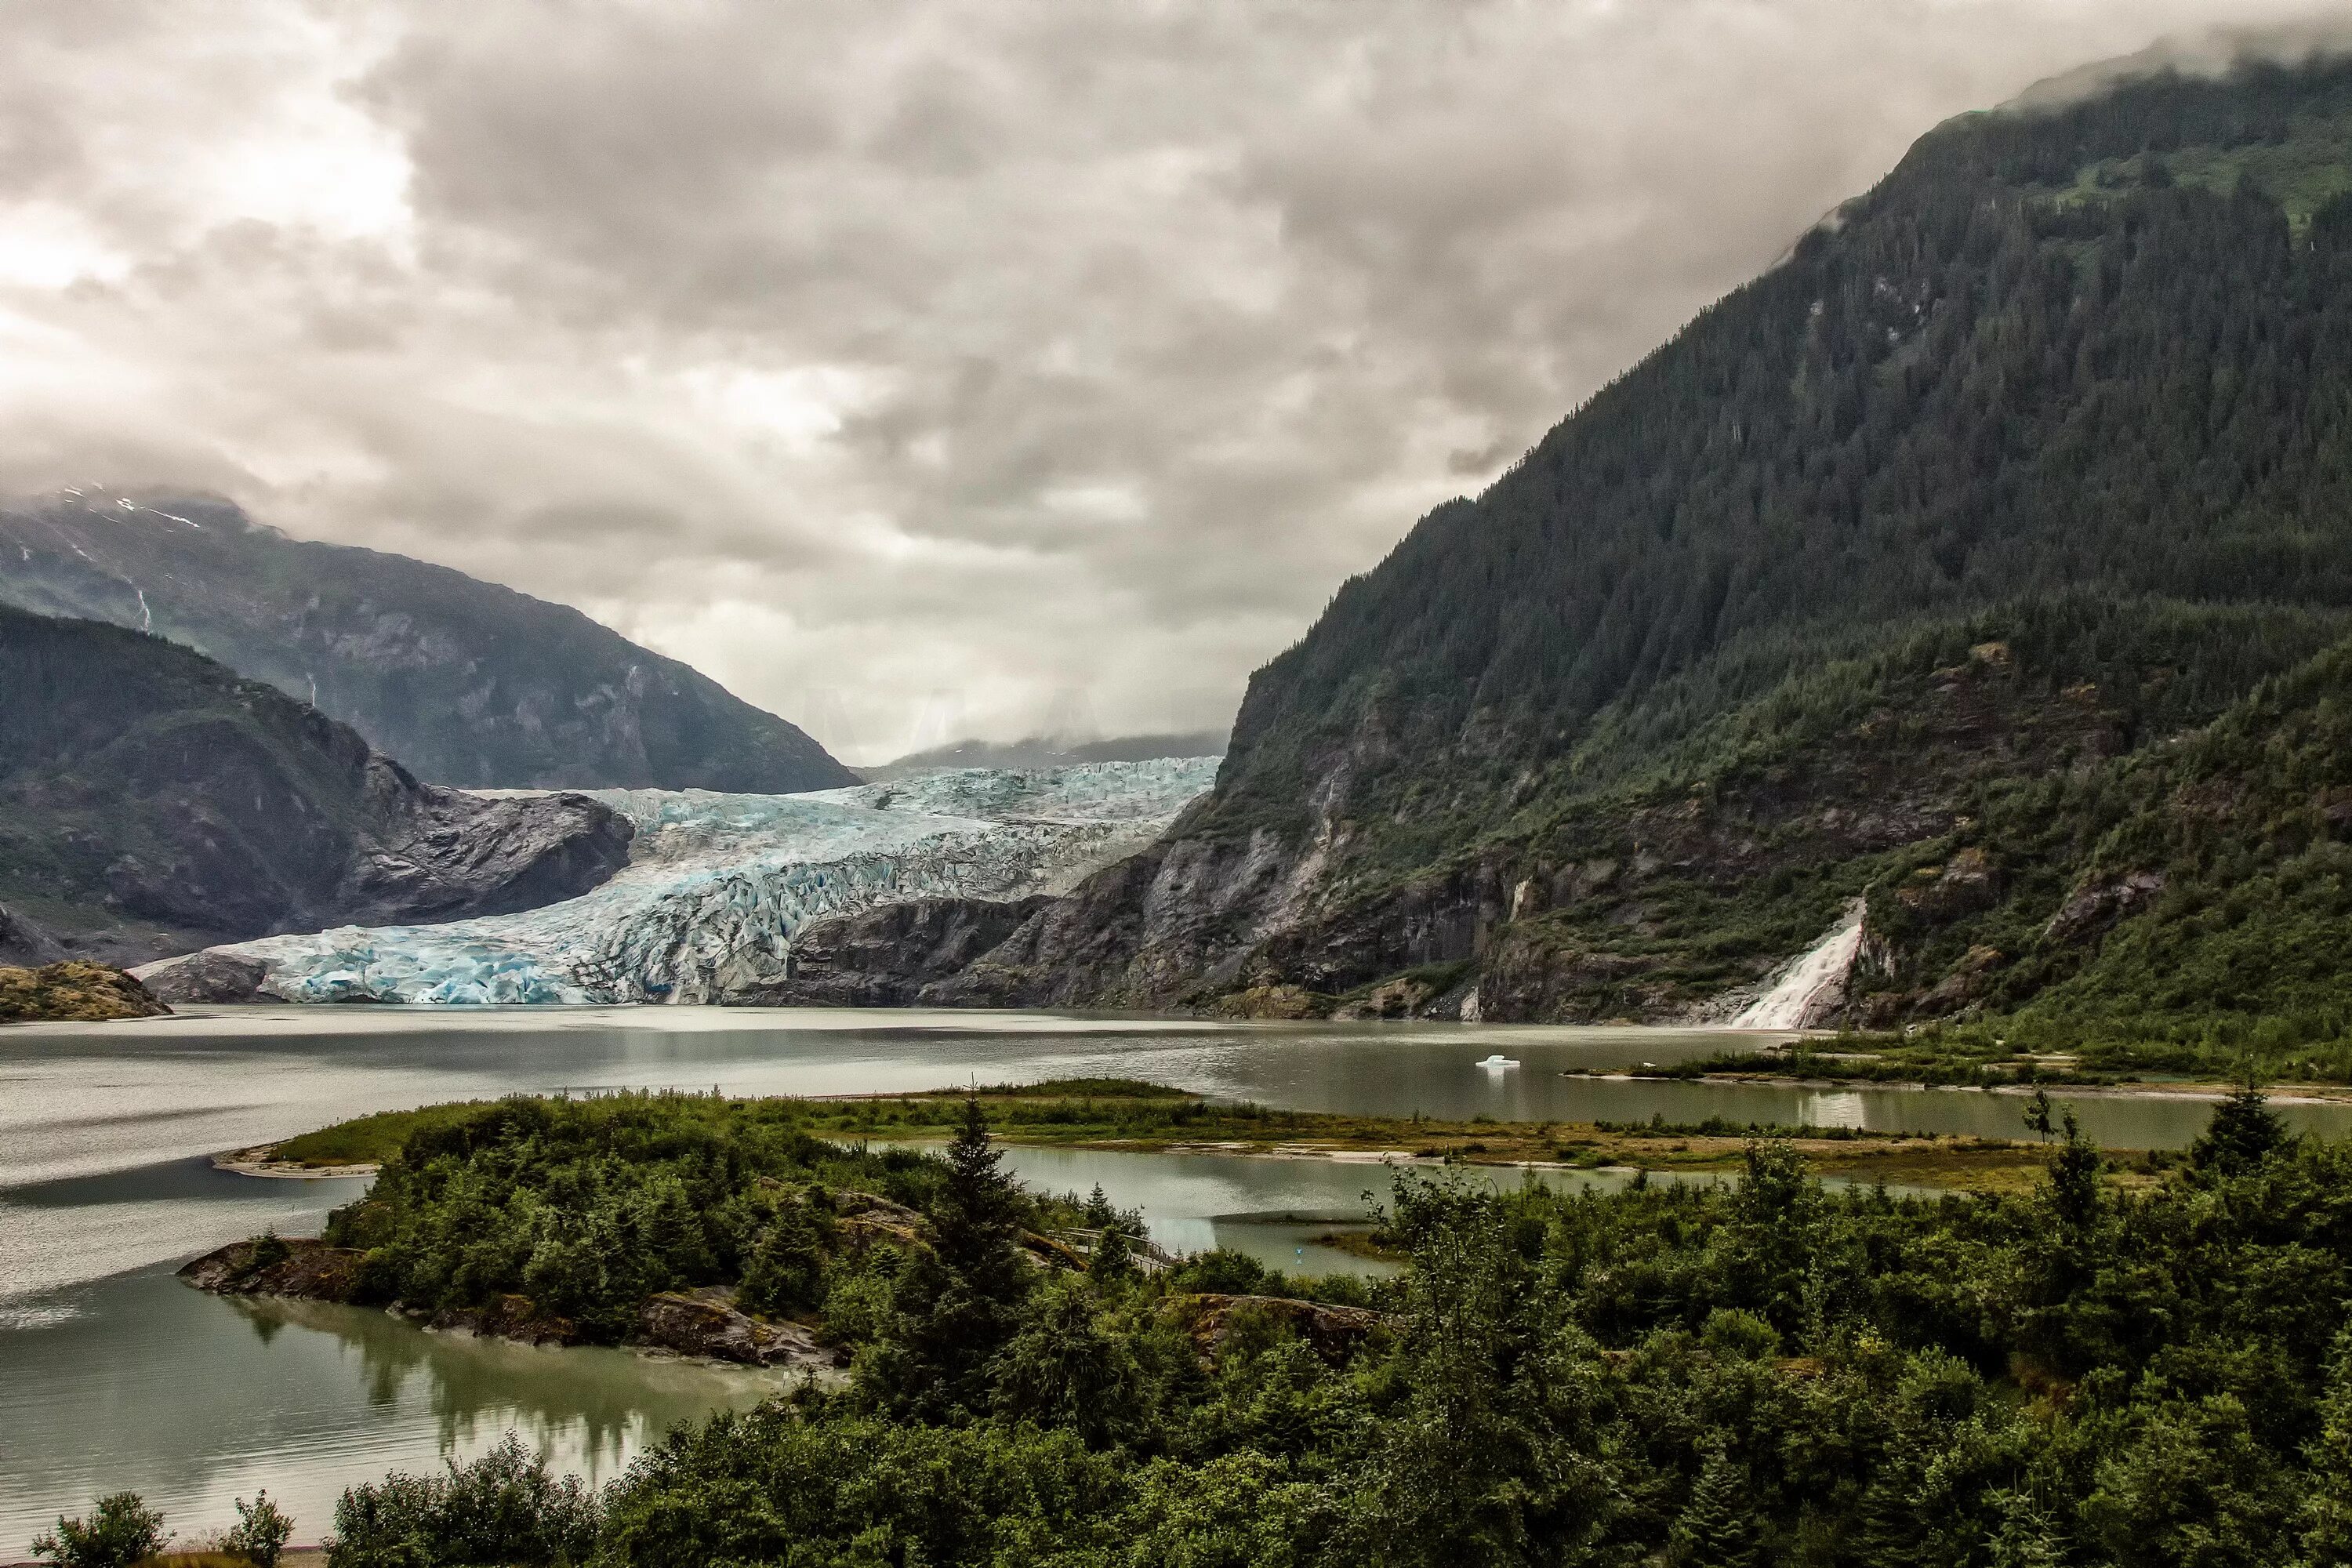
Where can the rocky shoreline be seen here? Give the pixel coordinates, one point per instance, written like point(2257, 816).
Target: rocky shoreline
point(704, 1323)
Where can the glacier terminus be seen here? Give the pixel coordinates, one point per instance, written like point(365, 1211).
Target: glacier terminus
point(717, 884)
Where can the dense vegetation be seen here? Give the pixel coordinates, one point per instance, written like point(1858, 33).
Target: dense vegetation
point(1966, 393)
point(2008, 514)
point(588, 1207)
point(1765, 1373)
point(468, 682)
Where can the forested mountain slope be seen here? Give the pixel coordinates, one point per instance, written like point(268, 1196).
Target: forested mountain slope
point(466, 682)
point(2027, 463)
point(152, 802)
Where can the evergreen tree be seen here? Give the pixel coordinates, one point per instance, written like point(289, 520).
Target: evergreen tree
point(959, 1301)
point(1717, 1528)
point(2327, 1506)
point(2244, 1132)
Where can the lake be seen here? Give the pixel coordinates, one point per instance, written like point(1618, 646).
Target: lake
point(112, 1374)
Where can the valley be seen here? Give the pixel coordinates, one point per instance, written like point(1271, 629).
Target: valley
point(1773, 985)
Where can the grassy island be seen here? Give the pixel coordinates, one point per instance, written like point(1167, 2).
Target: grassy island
point(1120, 1113)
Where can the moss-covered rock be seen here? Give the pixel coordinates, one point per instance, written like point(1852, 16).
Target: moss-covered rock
point(74, 992)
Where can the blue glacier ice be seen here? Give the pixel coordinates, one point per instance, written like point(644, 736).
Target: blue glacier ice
point(717, 884)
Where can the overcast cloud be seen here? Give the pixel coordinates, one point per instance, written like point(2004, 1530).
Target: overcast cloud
point(911, 367)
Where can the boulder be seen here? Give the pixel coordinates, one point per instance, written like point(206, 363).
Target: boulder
point(213, 975)
point(708, 1323)
point(305, 1268)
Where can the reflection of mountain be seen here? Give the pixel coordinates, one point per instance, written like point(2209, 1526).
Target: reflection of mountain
point(718, 884)
point(600, 1404)
point(192, 1401)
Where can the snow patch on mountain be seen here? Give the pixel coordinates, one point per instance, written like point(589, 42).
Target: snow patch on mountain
point(716, 885)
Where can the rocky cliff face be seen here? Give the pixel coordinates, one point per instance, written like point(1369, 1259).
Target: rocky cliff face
point(885, 957)
point(151, 802)
point(467, 683)
point(1623, 907)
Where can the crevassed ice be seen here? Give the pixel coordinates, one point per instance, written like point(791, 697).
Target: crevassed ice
point(717, 884)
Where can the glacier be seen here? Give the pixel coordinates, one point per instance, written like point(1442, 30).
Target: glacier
point(717, 884)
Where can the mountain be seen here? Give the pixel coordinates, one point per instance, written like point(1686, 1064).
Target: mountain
point(469, 683)
point(1042, 751)
point(1987, 560)
point(151, 801)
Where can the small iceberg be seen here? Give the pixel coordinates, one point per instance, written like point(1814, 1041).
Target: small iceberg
point(1497, 1062)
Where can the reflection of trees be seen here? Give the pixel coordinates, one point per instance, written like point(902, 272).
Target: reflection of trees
point(588, 1406)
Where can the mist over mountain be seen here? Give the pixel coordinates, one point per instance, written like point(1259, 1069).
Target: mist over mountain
point(1045, 752)
point(466, 682)
point(1980, 562)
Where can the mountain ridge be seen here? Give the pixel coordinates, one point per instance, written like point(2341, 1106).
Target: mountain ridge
point(470, 683)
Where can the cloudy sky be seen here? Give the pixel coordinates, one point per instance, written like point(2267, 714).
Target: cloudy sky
point(917, 368)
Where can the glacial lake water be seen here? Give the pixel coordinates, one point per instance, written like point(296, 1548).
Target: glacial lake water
point(114, 1375)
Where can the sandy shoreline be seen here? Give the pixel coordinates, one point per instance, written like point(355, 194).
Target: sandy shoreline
point(257, 1162)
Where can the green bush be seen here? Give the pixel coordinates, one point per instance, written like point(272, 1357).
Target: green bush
point(261, 1531)
point(503, 1510)
point(121, 1530)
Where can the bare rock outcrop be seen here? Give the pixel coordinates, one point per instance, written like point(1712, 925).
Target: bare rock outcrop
point(24, 944)
point(884, 957)
point(708, 1323)
point(210, 976)
point(306, 1269)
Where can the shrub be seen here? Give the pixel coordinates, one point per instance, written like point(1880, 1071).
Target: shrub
point(504, 1508)
point(262, 1528)
point(119, 1530)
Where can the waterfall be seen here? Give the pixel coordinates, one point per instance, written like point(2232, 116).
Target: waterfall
point(1804, 992)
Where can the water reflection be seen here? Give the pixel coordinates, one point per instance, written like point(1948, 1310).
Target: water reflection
point(1835, 1108)
point(193, 1400)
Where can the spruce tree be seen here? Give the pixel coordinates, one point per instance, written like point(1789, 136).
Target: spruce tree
point(958, 1302)
point(2327, 1506)
point(1717, 1528)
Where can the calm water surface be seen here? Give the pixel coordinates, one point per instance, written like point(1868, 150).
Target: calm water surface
point(112, 1374)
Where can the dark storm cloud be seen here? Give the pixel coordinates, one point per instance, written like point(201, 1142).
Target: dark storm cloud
point(864, 353)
